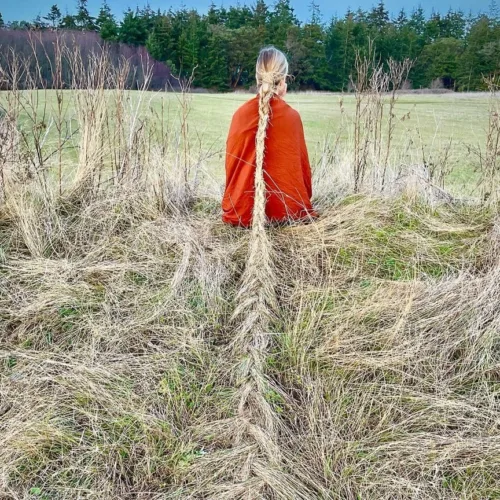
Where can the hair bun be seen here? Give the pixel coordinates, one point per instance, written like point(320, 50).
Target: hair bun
point(271, 69)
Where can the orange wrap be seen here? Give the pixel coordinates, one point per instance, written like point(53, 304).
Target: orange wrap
point(287, 172)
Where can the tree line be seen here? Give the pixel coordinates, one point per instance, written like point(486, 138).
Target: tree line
point(453, 50)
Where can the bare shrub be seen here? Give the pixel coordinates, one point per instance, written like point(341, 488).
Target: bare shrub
point(437, 84)
point(373, 130)
point(490, 167)
point(9, 148)
point(487, 155)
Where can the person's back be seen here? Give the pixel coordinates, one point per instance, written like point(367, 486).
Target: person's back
point(268, 127)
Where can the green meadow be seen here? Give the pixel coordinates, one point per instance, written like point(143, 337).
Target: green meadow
point(429, 128)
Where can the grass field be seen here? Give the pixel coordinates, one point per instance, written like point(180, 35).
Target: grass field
point(435, 123)
point(130, 364)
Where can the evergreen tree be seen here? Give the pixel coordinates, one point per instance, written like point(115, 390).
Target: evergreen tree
point(83, 19)
point(159, 40)
point(315, 14)
point(308, 60)
point(242, 48)
point(148, 17)
point(432, 29)
point(494, 11)
point(54, 16)
point(216, 15)
point(482, 54)
point(453, 25)
point(417, 21)
point(403, 38)
point(223, 43)
point(260, 21)
point(360, 16)
point(260, 14)
point(19, 25)
point(379, 16)
point(281, 19)
point(238, 16)
point(38, 23)
point(343, 38)
point(440, 61)
point(402, 20)
point(132, 30)
point(216, 70)
point(188, 47)
point(68, 22)
point(106, 23)
point(1, 21)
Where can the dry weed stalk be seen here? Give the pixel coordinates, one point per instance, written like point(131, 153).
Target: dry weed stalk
point(9, 149)
point(373, 131)
point(490, 168)
point(183, 146)
point(90, 80)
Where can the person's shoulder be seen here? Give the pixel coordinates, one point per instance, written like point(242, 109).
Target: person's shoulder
point(288, 111)
point(247, 106)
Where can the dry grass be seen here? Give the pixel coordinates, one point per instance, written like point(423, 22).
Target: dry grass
point(117, 380)
point(120, 304)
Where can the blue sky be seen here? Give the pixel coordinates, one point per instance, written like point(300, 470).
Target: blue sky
point(28, 9)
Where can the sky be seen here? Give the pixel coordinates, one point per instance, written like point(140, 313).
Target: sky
point(27, 10)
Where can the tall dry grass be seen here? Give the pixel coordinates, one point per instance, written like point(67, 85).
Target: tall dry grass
point(119, 293)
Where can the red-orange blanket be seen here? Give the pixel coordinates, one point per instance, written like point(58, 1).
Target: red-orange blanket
point(287, 172)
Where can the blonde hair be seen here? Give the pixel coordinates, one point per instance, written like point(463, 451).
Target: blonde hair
point(271, 69)
point(256, 307)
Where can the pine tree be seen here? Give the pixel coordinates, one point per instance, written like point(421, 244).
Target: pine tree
point(83, 19)
point(1, 21)
point(106, 23)
point(38, 23)
point(132, 30)
point(159, 40)
point(54, 16)
point(68, 22)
